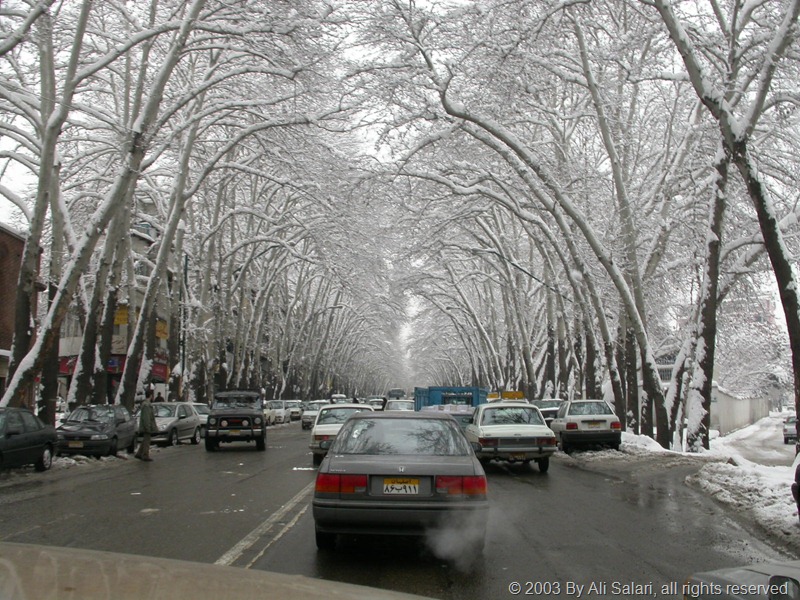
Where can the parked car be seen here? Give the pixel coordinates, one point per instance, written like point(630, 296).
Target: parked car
point(295, 408)
point(586, 423)
point(399, 405)
point(513, 432)
point(25, 439)
point(202, 410)
point(789, 429)
point(97, 430)
point(549, 408)
point(310, 413)
point(276, 412)
point(400, 473)
point(768, 580)
point(236, 416)
point(176, 421)
point(329, 420)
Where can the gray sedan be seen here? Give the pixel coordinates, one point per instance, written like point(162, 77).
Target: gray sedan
point(400, 473)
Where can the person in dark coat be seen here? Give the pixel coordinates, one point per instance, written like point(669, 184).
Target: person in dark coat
point(147, 427)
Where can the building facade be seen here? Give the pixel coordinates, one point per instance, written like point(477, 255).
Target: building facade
point(12, 244)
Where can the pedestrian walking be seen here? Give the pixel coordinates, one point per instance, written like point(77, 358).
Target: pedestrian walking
point(147, 427)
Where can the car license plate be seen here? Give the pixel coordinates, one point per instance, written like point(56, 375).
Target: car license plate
point(400, 486)
point(75, 444)
point(234, 432)
point(594, 424)
point(517, 457)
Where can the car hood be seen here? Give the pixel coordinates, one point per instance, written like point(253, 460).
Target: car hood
point(85, 427)
point(29, 571)
point(229, 412)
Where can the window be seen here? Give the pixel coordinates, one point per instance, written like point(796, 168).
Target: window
point(30, 422)
point(430, 437)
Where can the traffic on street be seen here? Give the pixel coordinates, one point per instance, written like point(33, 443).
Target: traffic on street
point(593, 524)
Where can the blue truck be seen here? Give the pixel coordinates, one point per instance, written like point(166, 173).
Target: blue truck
point(453, 395)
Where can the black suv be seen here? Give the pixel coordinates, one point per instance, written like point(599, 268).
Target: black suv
point(236, 416)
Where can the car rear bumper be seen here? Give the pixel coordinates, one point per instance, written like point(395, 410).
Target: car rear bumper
point(515, 454)
point(86, 447)
point(397, 518)
point(613, 438)
point(235, 435)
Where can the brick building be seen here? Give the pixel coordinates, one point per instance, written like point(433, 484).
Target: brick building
point(12, 244)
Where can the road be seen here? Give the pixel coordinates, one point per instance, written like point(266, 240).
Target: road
point(619, 523)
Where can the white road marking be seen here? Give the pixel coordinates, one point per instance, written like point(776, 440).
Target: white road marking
point(251, 538)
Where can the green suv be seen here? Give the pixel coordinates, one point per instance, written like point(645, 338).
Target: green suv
point(236, 416)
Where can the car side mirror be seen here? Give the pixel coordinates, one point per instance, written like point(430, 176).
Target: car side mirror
point(325, 444)
point(475, 446)
point(783, 588)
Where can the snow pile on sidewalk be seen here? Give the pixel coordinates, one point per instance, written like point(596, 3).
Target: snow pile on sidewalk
point(762, 494)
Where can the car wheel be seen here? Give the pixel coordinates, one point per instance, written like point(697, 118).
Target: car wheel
point(785, 440)
point(196, 437)
point(565, 448)
point(132, 446)
point(45, 460)
point(112, 449)
point(173, 440)
point(202, 431)
point(544, 464)
point(316, 459)
point(211, 445)
point(325, 541)
point(261, 443)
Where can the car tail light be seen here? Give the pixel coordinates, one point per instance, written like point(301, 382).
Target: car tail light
point(572, 425)
point(340, 484)
point(488, 442)
point(548, 441)
point(447, 484)
point(475, 486)
point(327, 484)
point(321, 438)
point(353, 484)
point(616, 425)
point(454, 485)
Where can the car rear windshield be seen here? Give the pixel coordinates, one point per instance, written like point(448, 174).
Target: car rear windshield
point(335, 416)
point(514, 415)
point(547, 403)
point(399, 405)
point(590, 408)
point(430, 437)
